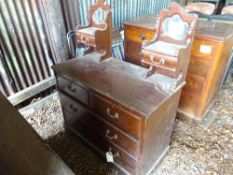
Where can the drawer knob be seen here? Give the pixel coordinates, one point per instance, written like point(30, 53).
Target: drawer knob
point(84, 39)
point(162, 61)
point(74, 109)
point(142, 37)
point(114, 137)
point(71, 89)
point(152, 59)
point(116, 115)
point(114, 155)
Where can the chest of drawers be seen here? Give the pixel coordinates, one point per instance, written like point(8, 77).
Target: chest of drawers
point(113, 108)
point(210, 52)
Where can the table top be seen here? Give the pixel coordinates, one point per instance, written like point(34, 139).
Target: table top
point(120, 81)
point(208, 29)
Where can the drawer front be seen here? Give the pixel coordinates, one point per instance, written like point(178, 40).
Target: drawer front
point(114, 114)
point(169, 62)
point(199, 67)
point(104, 129)
point(85, 39)
point(103, 145)
point(138, 34)
point(73, 90)
point(204, 49)
point(194, 85)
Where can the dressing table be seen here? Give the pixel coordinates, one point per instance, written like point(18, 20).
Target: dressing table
point(123, 111)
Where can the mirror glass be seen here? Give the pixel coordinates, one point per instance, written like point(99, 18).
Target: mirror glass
point(175, 28)
point(99, 16)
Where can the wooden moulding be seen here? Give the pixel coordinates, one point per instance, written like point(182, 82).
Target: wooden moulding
point(32, 91)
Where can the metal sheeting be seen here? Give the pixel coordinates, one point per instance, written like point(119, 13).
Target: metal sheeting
point(32, 39)
point(123, 10)
point(25, 56)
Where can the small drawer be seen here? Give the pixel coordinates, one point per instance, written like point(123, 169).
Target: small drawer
point(73, 89)
point(116, 115)
point(105, 130)
point(194, 85)
point(166, 67)
point(86, 39)
point(138, 34)
point(199, 67)
point(204, 49)
point(169, 62)
point(100, 144)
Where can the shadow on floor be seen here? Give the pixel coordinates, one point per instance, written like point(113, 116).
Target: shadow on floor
point(80, 158)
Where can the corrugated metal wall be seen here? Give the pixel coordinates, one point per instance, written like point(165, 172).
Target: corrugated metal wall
point(123, 10)
point(33, 34)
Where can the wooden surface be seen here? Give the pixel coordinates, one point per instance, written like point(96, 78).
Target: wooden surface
point(113, 108)
point(22, 151)
point(210, 52)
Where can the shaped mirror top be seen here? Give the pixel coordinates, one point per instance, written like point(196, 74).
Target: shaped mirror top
point(174, 27)
point(99, 16)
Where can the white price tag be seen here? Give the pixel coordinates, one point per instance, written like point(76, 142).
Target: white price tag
point(109, 157)
point(205, 49)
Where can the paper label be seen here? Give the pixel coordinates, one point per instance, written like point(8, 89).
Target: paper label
point(109, 157)
point(205, 49)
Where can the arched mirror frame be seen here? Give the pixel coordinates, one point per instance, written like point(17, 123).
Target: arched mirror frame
point(100, 4)
point(174, 10)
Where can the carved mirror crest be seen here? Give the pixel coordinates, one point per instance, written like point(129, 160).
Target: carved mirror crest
point(174, 27)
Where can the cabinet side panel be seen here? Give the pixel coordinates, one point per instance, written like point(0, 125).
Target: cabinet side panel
point(158, 132)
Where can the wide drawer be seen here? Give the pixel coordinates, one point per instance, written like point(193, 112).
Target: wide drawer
point(138, 34)
point(199, 67)
point(74, 90)
point(104, 129)
point(115, 114)
point(194, 84)
point(121, 158)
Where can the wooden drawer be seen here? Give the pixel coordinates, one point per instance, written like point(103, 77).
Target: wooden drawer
point(205, 49)
point(199, 67)
point(194, 84)
point(99, 143)
point(86, 39)
point(114, 114)
point(104, 129)
point(138, 34)
point(73, 89)
point(165, 61)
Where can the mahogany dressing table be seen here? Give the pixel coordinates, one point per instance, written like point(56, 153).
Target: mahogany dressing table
point(119, 110)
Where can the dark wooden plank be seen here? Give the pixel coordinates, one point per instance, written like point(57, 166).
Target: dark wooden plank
point(31, 91)
point(21, 150)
